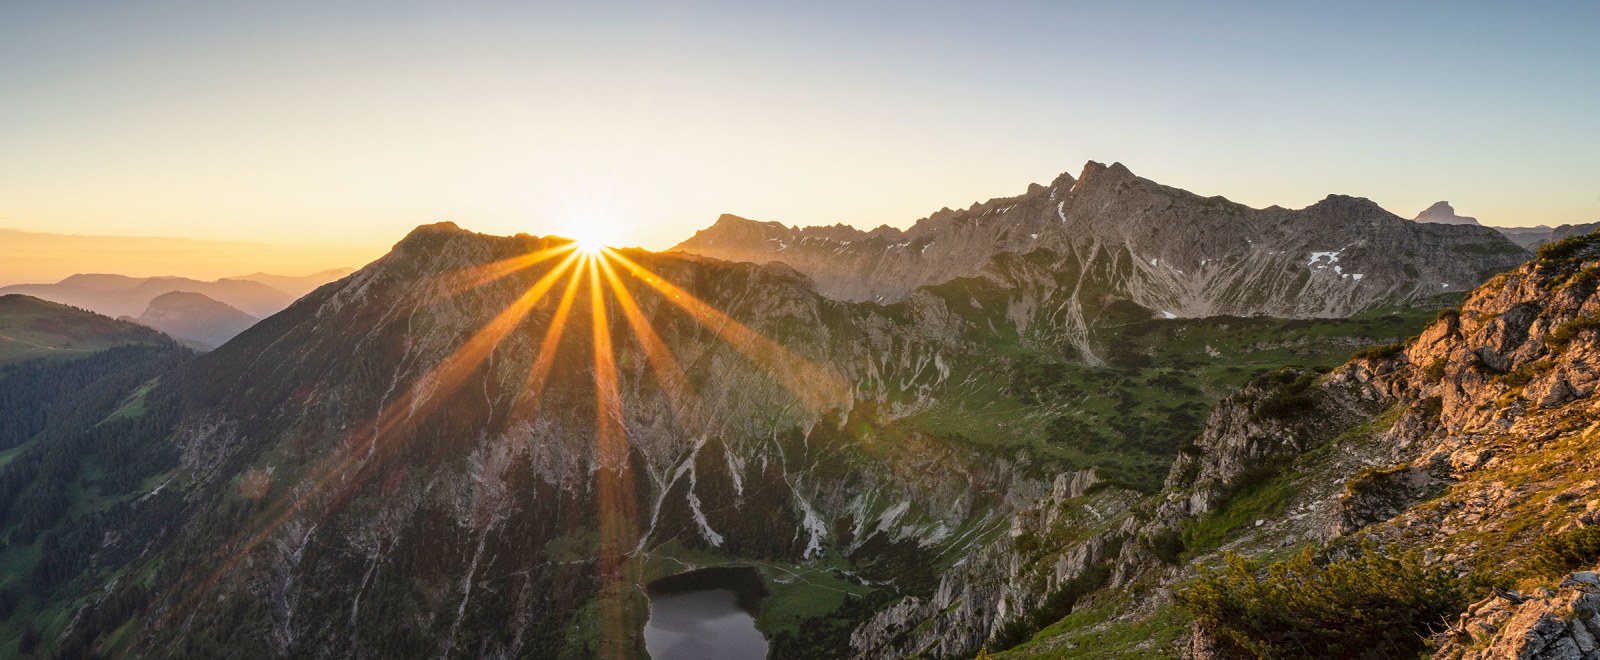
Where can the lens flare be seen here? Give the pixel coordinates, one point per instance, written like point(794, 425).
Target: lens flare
point(585, 263)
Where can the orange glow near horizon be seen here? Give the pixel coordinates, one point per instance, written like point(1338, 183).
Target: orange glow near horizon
point(365, 452)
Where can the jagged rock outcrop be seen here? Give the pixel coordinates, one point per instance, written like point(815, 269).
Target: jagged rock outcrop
point(1114, 234)
point(1560, 624)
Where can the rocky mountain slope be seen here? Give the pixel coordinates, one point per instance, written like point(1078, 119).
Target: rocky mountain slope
point(1160, 247)
point(415, 456)
point(34, 328)
point(397, 464)
point(1469, 450)
point(194, 318)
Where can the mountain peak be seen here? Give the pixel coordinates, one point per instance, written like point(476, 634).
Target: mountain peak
point(1348, 205)
point(1443, 213)
point(1096, 173)
point(444, 227)
point(728, 220)
point(202, 321)
point(432, 234)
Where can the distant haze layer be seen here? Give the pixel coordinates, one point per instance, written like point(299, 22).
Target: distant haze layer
point(29, 257)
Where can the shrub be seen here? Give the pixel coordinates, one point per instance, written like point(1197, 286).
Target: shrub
point(1166, 545)
point(1434, 372)
point(1289, 395)
point(1371, 605)
point(1526, 372)
point(1574, 247)
point(1568, 551)
point(1566, 332)
point(1380, 352)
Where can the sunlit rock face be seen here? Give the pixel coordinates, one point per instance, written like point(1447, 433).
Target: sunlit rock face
point(1160, 247)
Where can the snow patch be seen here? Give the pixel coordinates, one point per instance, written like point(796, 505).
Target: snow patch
point(813, 525)
point(710, 535)
point(1060, 213)
point(891, 517)
point(1332, 258)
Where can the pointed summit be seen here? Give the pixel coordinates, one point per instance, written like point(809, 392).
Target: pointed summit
point(1097, 173)
point(1442, 213)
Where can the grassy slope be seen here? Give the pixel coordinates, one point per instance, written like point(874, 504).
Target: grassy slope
point(30, 328)
point(1130, 417)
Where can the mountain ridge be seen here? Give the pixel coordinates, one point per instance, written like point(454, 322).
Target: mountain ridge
point(1109, 210)
point(120, 295)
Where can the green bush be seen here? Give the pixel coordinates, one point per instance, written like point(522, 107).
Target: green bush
point(1526, 372)
point(1289, 396)
point(1434, 372)
point(1572, 550)
point(1566, 332)
point(1574, 247)
point(1372, 605)
point(1380, 352)
point(1167, 545)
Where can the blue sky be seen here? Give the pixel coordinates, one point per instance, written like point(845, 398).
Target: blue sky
point(352, 122)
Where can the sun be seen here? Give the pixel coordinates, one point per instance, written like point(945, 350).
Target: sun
point(591, 234)
point(590, 239)
point(588, 246)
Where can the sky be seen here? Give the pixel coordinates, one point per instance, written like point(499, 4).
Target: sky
point(339, 126)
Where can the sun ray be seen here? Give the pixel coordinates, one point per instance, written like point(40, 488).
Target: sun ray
point(442, 378)
point(540, 371)
point(669, 374)
point(365, 450)
point(817, 387)
point(618, 510)
point(478, 276)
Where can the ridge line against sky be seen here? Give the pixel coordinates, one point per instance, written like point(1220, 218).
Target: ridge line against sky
point(349, 124)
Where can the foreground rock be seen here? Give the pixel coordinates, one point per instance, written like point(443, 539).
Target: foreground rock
point(1559, 624)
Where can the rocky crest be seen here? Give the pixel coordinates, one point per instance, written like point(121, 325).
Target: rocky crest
point(1165, 249)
